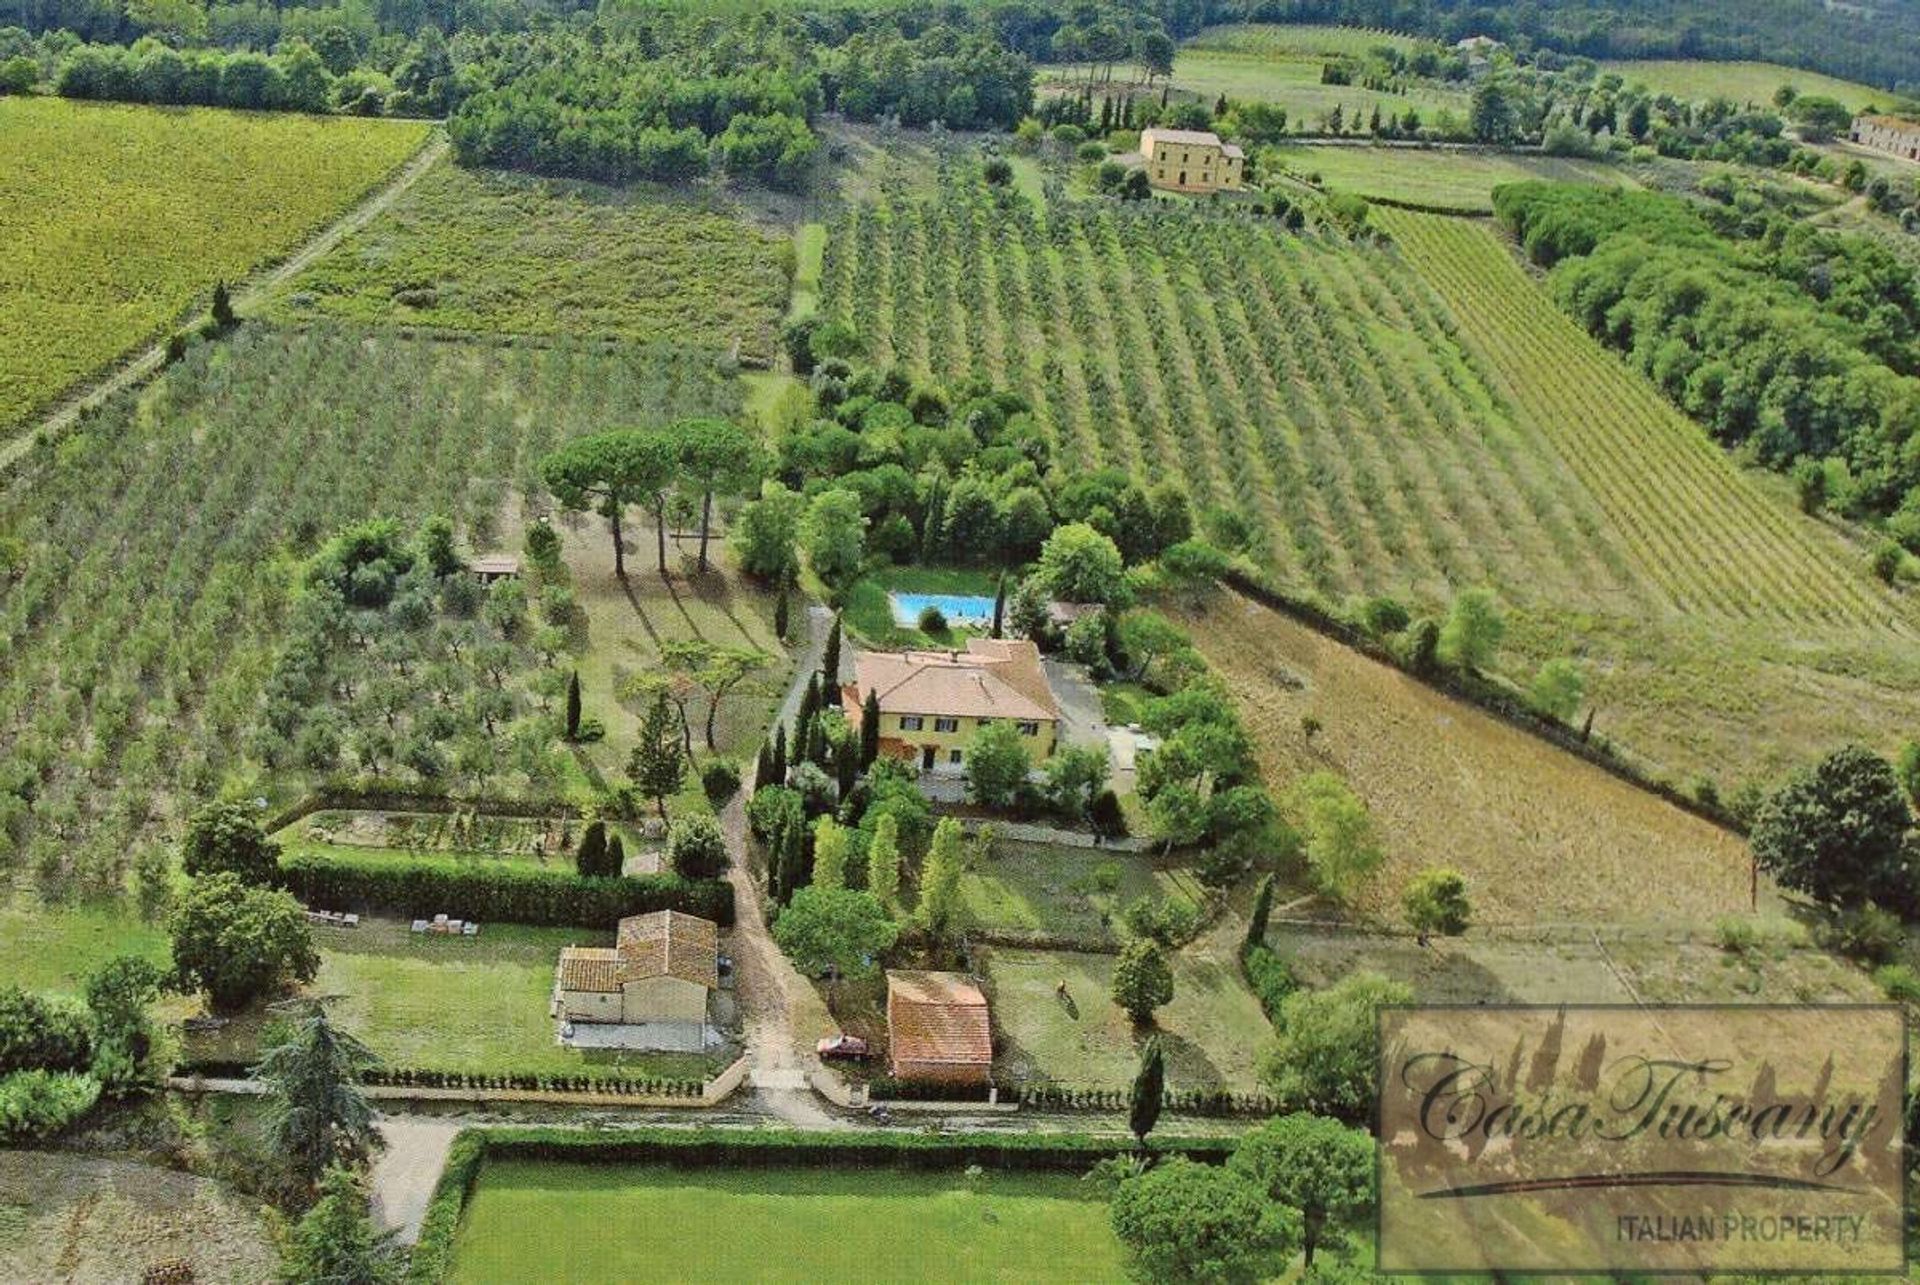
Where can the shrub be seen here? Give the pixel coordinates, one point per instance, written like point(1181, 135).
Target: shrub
point(1899, 981)
point(697, 848)
point(1866, 933)
point(1886, 560)
point(39, 1034)
point(1171, 921)
point(1271, 978)
point(1736, 934)
point(932, 620)
point(1106, 877)
point(1384, 617)
point(508, 895)
point(720, 779)
point(35, 1105)
point(1436, 902)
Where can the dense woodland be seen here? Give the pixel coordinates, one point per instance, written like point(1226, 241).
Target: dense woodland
point(1798, 343)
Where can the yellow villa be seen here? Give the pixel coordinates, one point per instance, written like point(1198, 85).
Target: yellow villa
point(1192, 160)
point(933, 703)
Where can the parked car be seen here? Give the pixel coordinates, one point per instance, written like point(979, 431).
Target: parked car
point(842, 1045)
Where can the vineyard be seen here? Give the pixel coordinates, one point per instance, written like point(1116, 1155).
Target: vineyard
point(159, 543)
point(1694, 526)
point(117, 218)
point(489, 251)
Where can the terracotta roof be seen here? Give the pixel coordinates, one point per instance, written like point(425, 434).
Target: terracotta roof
point(1191, 137)
point(939, 1019)
point(589, 968)
point(993, 678)
point(667, 943)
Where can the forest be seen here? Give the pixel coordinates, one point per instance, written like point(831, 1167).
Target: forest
point(1798, 342)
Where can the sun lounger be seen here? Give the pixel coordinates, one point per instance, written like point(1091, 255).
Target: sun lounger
point(419, 925)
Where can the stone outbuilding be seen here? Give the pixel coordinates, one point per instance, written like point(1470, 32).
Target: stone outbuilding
point(659, 974)
point(938, 1028)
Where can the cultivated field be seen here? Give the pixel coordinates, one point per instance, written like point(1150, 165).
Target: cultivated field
point(117, 218)
point(1743, 82)
point(1441, 178)
point(161, 542)
point(1298, 40)
point(595, 1223)
point(1541, 836)
point(490, 251)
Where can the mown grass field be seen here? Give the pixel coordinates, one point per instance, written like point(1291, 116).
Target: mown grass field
point(596, 1224)
point(1743, 82)
point(1026, 888)
point(161, 542)
point(1212, 1032)
point(116, 218)
point(450, 1003)
point(481, 250)
point(1542, 837)
point(1442, 178)
point(53, 948)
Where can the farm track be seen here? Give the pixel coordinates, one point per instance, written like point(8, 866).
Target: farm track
point(131, 372)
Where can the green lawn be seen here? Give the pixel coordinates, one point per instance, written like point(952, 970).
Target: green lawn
point(1444, 178)
point(1212, 1032)
point(1063, 892)
point(53, 948)
point(810, 249)
point(1298, 39)
point(869, 612)
point(554, 1223)
point(1744, 82)
point(452, 1003)
point(481, 250)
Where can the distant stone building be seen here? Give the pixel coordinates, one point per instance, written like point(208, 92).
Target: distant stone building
point(1192, 160)
point(1888, 134)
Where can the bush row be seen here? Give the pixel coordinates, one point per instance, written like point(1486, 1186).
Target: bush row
point(433, 1254)
point(885, 1088)
point(1206, 1102)
point(499, 893)
point(36, 1105)
point(407, 1077)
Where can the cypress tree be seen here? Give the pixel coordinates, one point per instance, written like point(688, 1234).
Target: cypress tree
point(780, 621)
point(830, 660)
point(819, 748)
point(779, 776)
point(1149, 1088)
point(809, 706)
point(1257, 920)
point(1000, 605)
point(590, 858)
point(573, 706)
point(616, 855)
point(846, 764)
point(870, 729)
point(223, 306)
point(763, 768)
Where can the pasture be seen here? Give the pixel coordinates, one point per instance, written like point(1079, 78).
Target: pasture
point(1453, 179)
point(1743, 82)
point(1063, 893)
point(482, 250)
point(118, 219)
point(553, 1222)
point(161, 539)
point(1542, 836)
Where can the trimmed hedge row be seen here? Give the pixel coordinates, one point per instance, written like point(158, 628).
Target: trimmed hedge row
point(433, 1255)
point(1205, 1102)
point(500, 893)
point(408, 1077)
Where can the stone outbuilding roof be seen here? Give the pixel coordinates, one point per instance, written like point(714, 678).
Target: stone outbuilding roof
point(665, 943)
point(937, 1019)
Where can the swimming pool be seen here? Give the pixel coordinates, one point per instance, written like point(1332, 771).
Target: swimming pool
point(958, 608)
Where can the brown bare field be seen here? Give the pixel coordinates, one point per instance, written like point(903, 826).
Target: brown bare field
point(1542, 836)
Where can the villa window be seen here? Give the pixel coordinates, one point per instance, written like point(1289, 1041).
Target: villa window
point(983, 722)
point(911, 722)
point(953, 756)
point(1029, 729)
point(946, 724)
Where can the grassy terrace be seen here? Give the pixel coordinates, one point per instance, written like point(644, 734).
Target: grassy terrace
point(1441, 178)
point(591, 1223)
point(1744, 82)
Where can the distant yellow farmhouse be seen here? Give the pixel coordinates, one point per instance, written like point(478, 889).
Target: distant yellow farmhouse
point(1191, 160)
point(1888, 134)
point(658, 973)
point(932, 703)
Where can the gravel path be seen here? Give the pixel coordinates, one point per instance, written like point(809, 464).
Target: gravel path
point(406, 1172)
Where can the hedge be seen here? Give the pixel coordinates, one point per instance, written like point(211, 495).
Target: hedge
point(498, 893)
point(433, 1254)
point(407, 1077)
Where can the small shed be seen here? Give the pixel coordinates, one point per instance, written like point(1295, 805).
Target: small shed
point(938, 1028)
point(495, 566)
point(660, 970)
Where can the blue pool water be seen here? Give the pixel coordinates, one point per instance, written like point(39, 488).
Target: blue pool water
point(959, 609)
